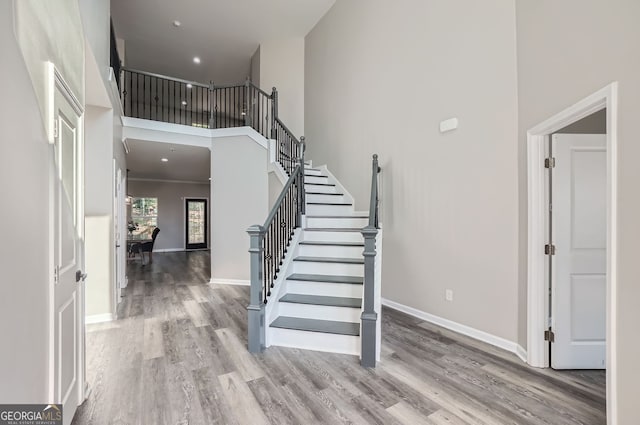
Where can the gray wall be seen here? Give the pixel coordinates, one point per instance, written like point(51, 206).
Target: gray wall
point(171, 204)
point(379, 77)
point(240, 193)
point(255, 70)
point(24, 257)
point(282, 66)
point(566, 51)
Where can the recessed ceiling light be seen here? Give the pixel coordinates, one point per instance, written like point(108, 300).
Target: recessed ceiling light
point(189, 85)
point(196, 60)
point(184, 103)
point(164, 160)
point(177, 23)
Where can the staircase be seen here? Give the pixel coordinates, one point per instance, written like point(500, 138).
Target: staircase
point(319, 303)
point(315, 262)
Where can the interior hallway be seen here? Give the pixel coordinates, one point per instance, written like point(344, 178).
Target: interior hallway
point(177, 355)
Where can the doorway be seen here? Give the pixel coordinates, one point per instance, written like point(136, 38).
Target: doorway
point(196, 226)
point(539, 225)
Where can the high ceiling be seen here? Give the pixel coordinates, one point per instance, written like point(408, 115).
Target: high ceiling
point(224, 34)
point(185, 163)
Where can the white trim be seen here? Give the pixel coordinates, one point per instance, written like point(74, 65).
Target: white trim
point(496, 341)
point(138, 128)
point(537, 303)
point(522, 353)
point(169, 250)
point(222, 281)
point(165, 127)
point(99, 318)
point(240, 131)
point(137, 179)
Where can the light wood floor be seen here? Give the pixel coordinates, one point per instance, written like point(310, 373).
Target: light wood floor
point(177, 356)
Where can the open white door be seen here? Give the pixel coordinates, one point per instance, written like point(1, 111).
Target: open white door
point(68, 254)
point(120, 225)
point(579, 212)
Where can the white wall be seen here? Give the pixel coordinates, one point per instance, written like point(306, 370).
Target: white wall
point(566, 51)
point(240, 197)
point(171, 219)
point(95, 16)
point(282, 66)
point(99, 179)
point(51, 31)
point(24, 227)
point(99, 299)
point(379, 77)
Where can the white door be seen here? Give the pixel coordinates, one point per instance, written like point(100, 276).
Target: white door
point(120, 234)
point(579, 214)
point(68, 257)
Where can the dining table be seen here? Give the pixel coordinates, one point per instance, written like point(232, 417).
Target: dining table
point(136, 238)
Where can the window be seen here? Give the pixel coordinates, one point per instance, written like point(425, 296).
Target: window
point(144, 214)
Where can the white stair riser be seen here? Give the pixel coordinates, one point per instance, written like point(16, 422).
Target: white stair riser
point(330, 251)
point(345, 344)
point(316, 179)
point(329, 236)
point(324, 288)
point(325, 198)
point(329, 209)
point(337, 222)
point(312, 172)
point(319, 188)
point(320, 312)
point(331, 269)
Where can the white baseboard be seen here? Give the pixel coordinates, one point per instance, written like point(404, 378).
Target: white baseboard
point(169, 250)
point(494, 340)
point(98, 318)
point(215, 280)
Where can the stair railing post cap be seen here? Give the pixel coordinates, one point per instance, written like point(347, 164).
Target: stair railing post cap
point(255, 229)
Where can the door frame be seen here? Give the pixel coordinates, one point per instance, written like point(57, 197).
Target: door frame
point(206, 221)
point(538, 225)
point(56, 82)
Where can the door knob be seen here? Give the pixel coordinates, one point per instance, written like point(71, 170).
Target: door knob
point(80, 276)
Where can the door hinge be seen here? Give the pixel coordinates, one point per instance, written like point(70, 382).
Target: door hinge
point(55, 129)
point(549, 249)
point(549, 162)
point(549, 335)
point(56, 272)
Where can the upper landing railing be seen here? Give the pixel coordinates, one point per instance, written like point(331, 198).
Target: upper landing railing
point(173, 100)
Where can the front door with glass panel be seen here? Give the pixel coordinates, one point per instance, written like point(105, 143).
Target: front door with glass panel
point(196, 223)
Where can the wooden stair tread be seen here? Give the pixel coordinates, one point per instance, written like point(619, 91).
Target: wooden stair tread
point(314, 325)
point(322, 300)
point(353, 280)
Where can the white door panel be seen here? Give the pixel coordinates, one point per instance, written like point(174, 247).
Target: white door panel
point(579, 268)
point(68, 257)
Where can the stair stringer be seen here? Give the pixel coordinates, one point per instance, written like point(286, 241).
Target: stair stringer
point(279, 285)
point(339, 187)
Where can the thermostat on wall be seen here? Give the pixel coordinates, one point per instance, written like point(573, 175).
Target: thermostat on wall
point(448, 125)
